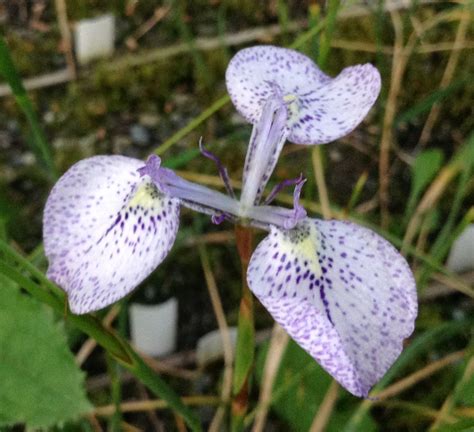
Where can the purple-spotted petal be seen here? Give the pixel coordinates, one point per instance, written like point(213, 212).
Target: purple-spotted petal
point(105, 230)
point(342, 292)
point(321, 109)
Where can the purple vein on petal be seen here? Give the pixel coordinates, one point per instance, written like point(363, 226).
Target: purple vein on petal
point(342, 292)
point(105, 230)
point(322, 109)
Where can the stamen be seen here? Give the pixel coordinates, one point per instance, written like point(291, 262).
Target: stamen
point(218, 218)
point(218, 205)
point(222, 169)
point(266, 143)
point(299, 212)
point(280, 186)
point(192, 195)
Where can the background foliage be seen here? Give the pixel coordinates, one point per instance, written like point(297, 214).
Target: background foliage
point(406, 172)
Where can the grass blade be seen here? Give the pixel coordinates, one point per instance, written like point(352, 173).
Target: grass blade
point(38, 143)
point(14, 266)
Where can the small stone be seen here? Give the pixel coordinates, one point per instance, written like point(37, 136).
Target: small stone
point(49, 117)
point(120, 143)
point(149, 120)
point(5, 140)
point(28, 158)
point(140, 135)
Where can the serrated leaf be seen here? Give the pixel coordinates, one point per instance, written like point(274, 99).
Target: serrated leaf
point(40, 382)
point(300, 387)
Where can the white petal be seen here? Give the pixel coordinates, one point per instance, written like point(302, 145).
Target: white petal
point(321, 109)
point(342, 292)
point(105, 230)
point(335, 109)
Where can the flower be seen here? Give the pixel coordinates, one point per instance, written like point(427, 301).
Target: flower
point(340, 290)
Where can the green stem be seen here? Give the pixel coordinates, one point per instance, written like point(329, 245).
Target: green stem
point(327, 34)
point(245, 348)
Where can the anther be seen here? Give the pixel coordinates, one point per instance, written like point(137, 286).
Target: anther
point(280, 186)
point(222, 169)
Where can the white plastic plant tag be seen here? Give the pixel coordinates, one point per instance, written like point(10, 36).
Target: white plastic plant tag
point(153, 327)
point(94, 38)
point(210, 348)
point(461, 256)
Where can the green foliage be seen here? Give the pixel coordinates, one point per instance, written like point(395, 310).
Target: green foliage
point(109, 99)
point(245, 348)
point(37, 141)
point(117, 347)
point(465, 392)
point(421, 345)
point(299, 389)
point(41, 384)
point(465, 425)
point(426, 104)
point(423, 170)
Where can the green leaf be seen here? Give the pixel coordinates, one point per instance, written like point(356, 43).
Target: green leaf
point(465, 394)
point(40, 382)
point(327, 34)
point(245, 347)
point(418, 346)
point(116, 346)
point(466, 425)
point(425, 104)
point(465, 155)
point(38, 142)
point(423, 170)
point(426, 165)
point(299, 389)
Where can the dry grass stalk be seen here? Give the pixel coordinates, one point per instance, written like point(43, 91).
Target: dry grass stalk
point(430, 198)
point(158, 15)
point(164, 367)
point(325, 409)
point(156, 404)
point(278, 344)
point(234, 39)
point(455, 282)
point(226, 391)
point(447, 75)
point(448, 404)
point(349, 45)
point(94, 423)
point(399, 61)
point(419, 375)
point(321, 181)
point(89, 345)
point(66, 41)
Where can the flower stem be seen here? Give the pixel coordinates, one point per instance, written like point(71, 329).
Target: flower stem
point(245, 349)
